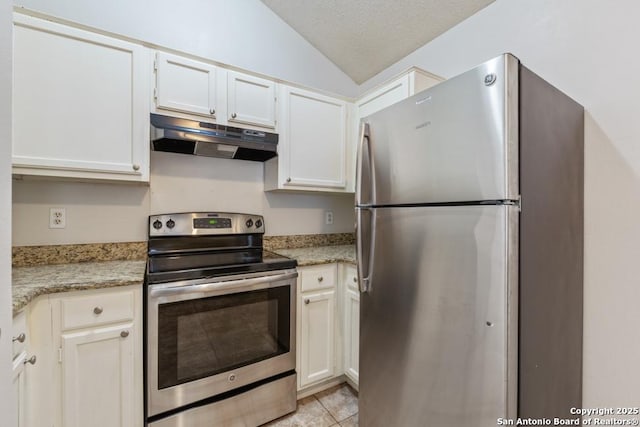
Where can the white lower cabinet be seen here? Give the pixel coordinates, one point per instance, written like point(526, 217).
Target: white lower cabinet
point(20, 363)
point(328, 324)
point(19, 390)
point(316, 325)
point(98, 384)
point(351, 323)
point(89, 369)
point(317, 337)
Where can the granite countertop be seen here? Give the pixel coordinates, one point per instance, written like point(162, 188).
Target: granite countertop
point(30, 282)
point(321, 254)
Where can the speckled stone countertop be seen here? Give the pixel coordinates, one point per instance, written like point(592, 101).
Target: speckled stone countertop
point(321, 254)
point(30, 282)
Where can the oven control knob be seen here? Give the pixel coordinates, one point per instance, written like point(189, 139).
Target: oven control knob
point(157, 224)
point(171, 223)
point(249, 223)
point(259, 223)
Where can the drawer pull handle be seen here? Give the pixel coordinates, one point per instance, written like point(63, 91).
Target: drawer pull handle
point(320, 279)
point(31, 360)
point(124, 334)
point(306, 301)
point(97, 310)
point(20, 338)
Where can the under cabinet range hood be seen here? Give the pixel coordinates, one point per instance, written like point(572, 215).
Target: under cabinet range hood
point(184, 136)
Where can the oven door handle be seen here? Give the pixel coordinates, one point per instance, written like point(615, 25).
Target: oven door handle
point(219, 286)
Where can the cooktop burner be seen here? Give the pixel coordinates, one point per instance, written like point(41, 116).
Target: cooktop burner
point(188, 246)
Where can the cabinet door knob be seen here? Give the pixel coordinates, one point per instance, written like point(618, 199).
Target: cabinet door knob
point(212, 111)
point(288, 179)
point(20, 338)
point(31, 360)
point(136, 167)
point(355, 279)
point(234, 115)
point(306, 301)
point(124, 334)
point(97, 310)
point(320, 279)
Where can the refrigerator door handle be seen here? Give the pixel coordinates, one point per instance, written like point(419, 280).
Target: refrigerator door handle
point(364, 190)
point(365, 254)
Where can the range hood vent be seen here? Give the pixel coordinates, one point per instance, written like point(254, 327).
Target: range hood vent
point(175, 135)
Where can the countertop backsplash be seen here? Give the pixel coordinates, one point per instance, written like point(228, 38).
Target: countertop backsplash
point(28, 256)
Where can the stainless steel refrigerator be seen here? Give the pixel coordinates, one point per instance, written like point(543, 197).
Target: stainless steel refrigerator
point(469, 209)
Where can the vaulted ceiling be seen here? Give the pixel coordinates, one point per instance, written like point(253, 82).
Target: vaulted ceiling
point(363, 37)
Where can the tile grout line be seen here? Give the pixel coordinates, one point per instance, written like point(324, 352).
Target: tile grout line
point(328, 412)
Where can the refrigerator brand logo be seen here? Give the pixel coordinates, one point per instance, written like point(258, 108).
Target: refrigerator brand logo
point(423, 125)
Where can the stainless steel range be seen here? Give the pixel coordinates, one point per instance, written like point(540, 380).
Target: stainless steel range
point(219, 323)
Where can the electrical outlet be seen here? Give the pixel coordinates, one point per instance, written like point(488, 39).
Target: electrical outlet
point(57, 218)
point(328, 217)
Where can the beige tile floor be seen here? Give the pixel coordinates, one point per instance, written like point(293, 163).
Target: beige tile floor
point(337, 406)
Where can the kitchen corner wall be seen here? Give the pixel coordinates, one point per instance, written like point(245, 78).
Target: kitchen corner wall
point(102, 212)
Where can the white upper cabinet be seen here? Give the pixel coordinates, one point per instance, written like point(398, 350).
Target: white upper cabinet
point(402, 87)
point(312, 148)
point(186, 86)
point(251, 100)
point(79, 103)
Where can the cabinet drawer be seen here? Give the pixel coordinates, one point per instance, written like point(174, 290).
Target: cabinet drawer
point(317, 277)
point(19, 333)
point(96, 310)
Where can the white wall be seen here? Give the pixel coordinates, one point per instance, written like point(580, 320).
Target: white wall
point(588, 49)
point(7, 404)
point(200, 184)
point(243, 33)
point(179, 183)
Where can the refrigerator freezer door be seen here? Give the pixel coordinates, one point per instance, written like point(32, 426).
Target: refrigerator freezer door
point(437, 330)
point(454, 142)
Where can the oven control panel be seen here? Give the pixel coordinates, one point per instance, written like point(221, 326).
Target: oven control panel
point(204, 223)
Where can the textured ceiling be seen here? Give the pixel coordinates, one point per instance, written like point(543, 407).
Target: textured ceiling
point(363, 37)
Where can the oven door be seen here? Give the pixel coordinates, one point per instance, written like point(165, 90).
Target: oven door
point(207, 337)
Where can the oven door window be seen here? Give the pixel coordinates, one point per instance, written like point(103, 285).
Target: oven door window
point(202, 337)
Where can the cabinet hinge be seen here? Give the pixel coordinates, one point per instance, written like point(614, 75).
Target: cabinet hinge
point(59, 354)
point(155, 93)
point(155, 64)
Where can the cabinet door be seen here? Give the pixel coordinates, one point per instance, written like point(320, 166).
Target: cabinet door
point(383, 97)
point(98, 377)
point(251, 100)
point(185, 85)
point(317, 337)
point(351, 333)
point(19, 391)
point(312, 140)
point(79, 107)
